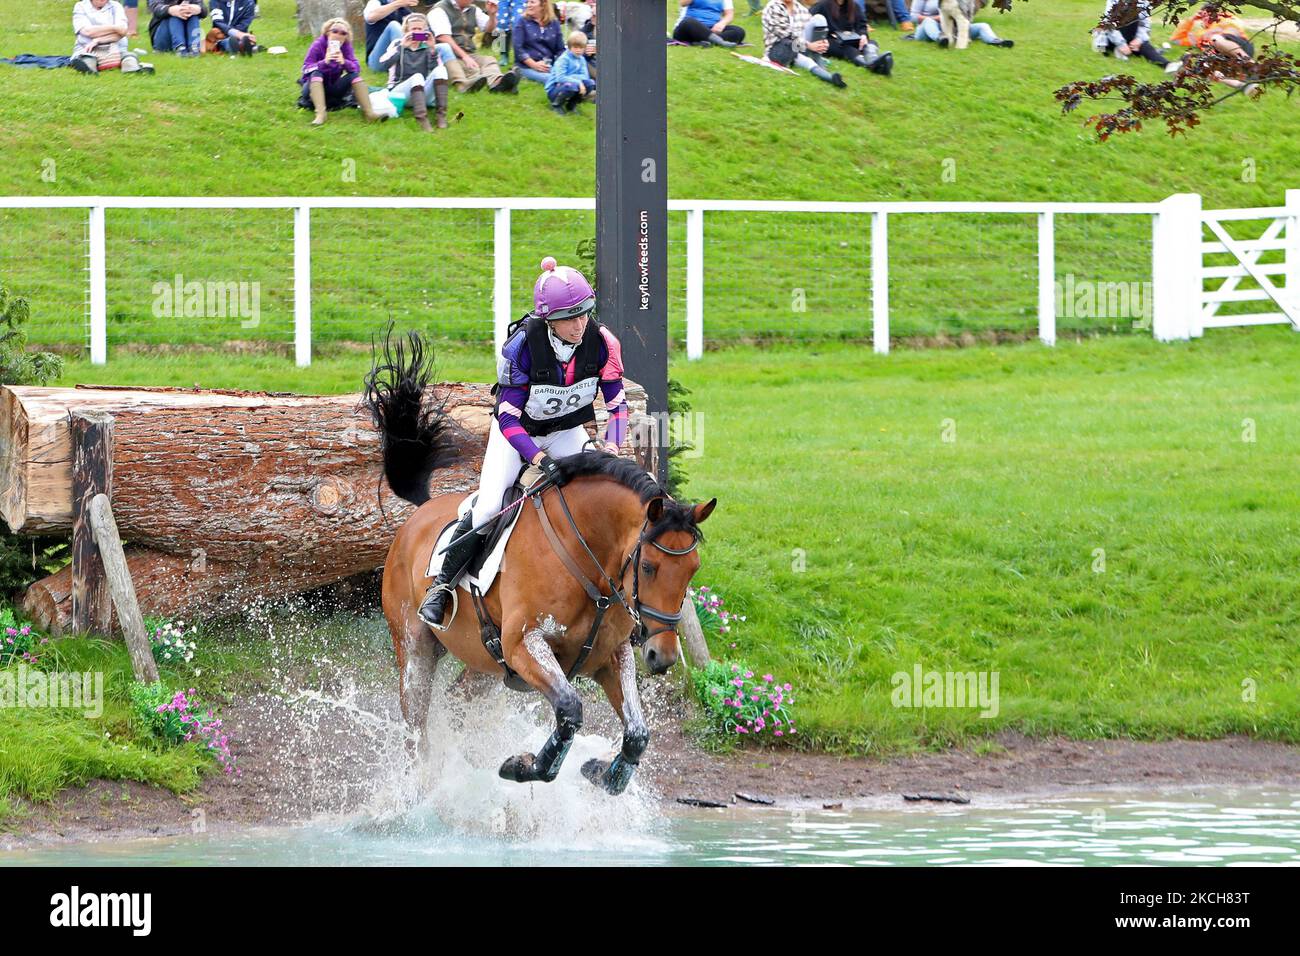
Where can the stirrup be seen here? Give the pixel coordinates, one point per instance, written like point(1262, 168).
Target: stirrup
point(447, 615)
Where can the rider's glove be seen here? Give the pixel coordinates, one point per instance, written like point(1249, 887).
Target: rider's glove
point(551, 469)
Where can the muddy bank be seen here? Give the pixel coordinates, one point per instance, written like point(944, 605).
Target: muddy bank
point(317, 752)
point(1024, 767)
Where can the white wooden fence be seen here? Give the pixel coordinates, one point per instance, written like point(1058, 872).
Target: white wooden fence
point(1182, 309)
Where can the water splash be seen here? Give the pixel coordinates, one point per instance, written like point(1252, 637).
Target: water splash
point(453, 786)
point(351, 764)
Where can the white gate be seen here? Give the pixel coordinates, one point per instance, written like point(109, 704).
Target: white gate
point(1209, 267)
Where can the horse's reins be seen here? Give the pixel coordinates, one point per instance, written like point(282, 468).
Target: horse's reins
point(637, 610)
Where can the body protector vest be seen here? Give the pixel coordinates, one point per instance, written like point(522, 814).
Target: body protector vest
point(553, 406)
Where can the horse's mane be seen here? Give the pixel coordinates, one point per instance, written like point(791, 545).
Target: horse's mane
point(677, 516)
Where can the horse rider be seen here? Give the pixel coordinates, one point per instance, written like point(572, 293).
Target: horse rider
point(554, 360)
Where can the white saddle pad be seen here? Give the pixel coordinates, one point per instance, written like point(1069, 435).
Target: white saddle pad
point(491, 565)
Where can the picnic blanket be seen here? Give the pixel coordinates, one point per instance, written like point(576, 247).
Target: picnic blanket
point(32, 59)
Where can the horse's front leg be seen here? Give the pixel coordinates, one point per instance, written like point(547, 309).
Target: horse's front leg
point(535, 662)
point(618, 678)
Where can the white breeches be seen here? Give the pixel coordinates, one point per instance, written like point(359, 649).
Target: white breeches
point(501, 464)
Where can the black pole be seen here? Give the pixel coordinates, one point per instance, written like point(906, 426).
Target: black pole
point(632, 193)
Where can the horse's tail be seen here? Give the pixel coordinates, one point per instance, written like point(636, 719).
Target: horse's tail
point(414, 437)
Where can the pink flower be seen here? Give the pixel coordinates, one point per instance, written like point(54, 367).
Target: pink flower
point(767, 678)
point(776, 733)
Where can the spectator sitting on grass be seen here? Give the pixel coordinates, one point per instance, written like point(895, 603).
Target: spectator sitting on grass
point(384, 25)
point(331, 77)
point(177, 27)
point(902, 13)
point(708, 22)
point(587, 27)
point(413, 66)
point(100, 27)
point(850, 37)
point(509, 13)
point(233, 18)
point(926, 14)
point(538, 40)
point(455, 22)
point(569, 82)
point(1125, 39)
point(788, 40)
point(1225, 36)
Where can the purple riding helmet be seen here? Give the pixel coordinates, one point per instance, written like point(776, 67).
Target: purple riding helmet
point(561, 293)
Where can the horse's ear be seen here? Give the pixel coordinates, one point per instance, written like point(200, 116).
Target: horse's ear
point(655, 510)
point(704, 510)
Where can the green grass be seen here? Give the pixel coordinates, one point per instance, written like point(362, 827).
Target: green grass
point(979, 554)
point(218, 126)
point(211, 127)
point(972, 555)
point(43, 749)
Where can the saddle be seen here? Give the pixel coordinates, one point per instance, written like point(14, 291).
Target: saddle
point(482, 571)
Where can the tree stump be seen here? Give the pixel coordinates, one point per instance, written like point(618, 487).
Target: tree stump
point(312, 15)
point(92, 474)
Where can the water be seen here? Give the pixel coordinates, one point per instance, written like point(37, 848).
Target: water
point(1208, 827)
point(346, 764)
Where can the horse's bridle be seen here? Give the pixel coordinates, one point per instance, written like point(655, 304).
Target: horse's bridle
point(642, 633)
point(637, 610)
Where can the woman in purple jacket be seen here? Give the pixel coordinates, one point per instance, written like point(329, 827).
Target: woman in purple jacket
point(331, 77)
point(537, 39)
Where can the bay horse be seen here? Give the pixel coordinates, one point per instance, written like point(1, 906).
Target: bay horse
point(587, 566)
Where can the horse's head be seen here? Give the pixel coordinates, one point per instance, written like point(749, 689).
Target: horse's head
point(666, 561)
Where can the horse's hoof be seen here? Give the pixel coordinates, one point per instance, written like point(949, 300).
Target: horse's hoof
point(520, 768)
point(594, 770)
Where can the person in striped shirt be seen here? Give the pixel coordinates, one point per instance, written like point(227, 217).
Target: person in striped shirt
point(789, 39)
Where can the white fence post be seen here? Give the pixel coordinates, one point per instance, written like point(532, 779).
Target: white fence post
point(302, 285)
point(500, 276)
point(1293, 247)
point(1176, 268)
point(695, 283)
point(880, 282)
point(1047, 278)
point(98, 268)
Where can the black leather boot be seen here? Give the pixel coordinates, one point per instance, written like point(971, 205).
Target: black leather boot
point(877, 62)
point(454, 562)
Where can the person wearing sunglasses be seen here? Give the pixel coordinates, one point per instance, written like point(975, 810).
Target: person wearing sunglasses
point(331, 77)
